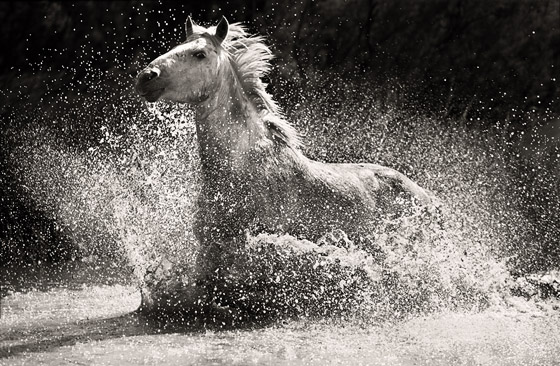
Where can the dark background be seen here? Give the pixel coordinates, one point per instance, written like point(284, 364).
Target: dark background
point(485, 63)
point(502, 54)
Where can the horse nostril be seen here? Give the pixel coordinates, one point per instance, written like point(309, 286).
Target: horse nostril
point(149, 74)
point(152, 74)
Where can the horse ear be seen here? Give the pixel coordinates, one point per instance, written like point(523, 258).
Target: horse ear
point(222, 29)
point(189, 26)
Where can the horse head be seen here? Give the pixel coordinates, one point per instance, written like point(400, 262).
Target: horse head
point(188, 73)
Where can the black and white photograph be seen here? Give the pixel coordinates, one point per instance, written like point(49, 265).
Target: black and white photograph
point(266, 182)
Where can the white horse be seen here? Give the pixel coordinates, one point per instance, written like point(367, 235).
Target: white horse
point(254, 175)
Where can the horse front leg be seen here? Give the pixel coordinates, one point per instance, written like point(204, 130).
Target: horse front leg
point(219, 244)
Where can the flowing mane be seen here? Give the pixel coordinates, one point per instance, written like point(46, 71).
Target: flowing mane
point(251, 57)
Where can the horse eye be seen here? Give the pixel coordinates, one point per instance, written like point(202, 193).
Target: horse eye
point(199, 55)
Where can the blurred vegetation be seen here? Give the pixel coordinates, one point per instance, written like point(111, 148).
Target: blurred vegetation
point(488, 67)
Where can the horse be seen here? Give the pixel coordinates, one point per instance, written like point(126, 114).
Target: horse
point(255, 177)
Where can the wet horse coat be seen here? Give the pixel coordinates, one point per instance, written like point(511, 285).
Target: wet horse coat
point(254, 175)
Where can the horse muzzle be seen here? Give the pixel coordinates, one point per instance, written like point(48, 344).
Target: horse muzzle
point(147, 84)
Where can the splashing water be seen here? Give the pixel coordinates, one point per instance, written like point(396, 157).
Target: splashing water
point(127, 198)
point(130, 199)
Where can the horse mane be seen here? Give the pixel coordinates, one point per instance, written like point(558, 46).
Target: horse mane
point(251, 58)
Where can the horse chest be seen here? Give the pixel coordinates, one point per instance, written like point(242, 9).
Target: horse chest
point(249, 199)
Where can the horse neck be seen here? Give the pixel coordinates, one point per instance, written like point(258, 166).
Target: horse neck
point(228, 126)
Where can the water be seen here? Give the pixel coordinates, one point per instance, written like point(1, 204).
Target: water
point(130, 198)
point(92, 323)
point(435, 287)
